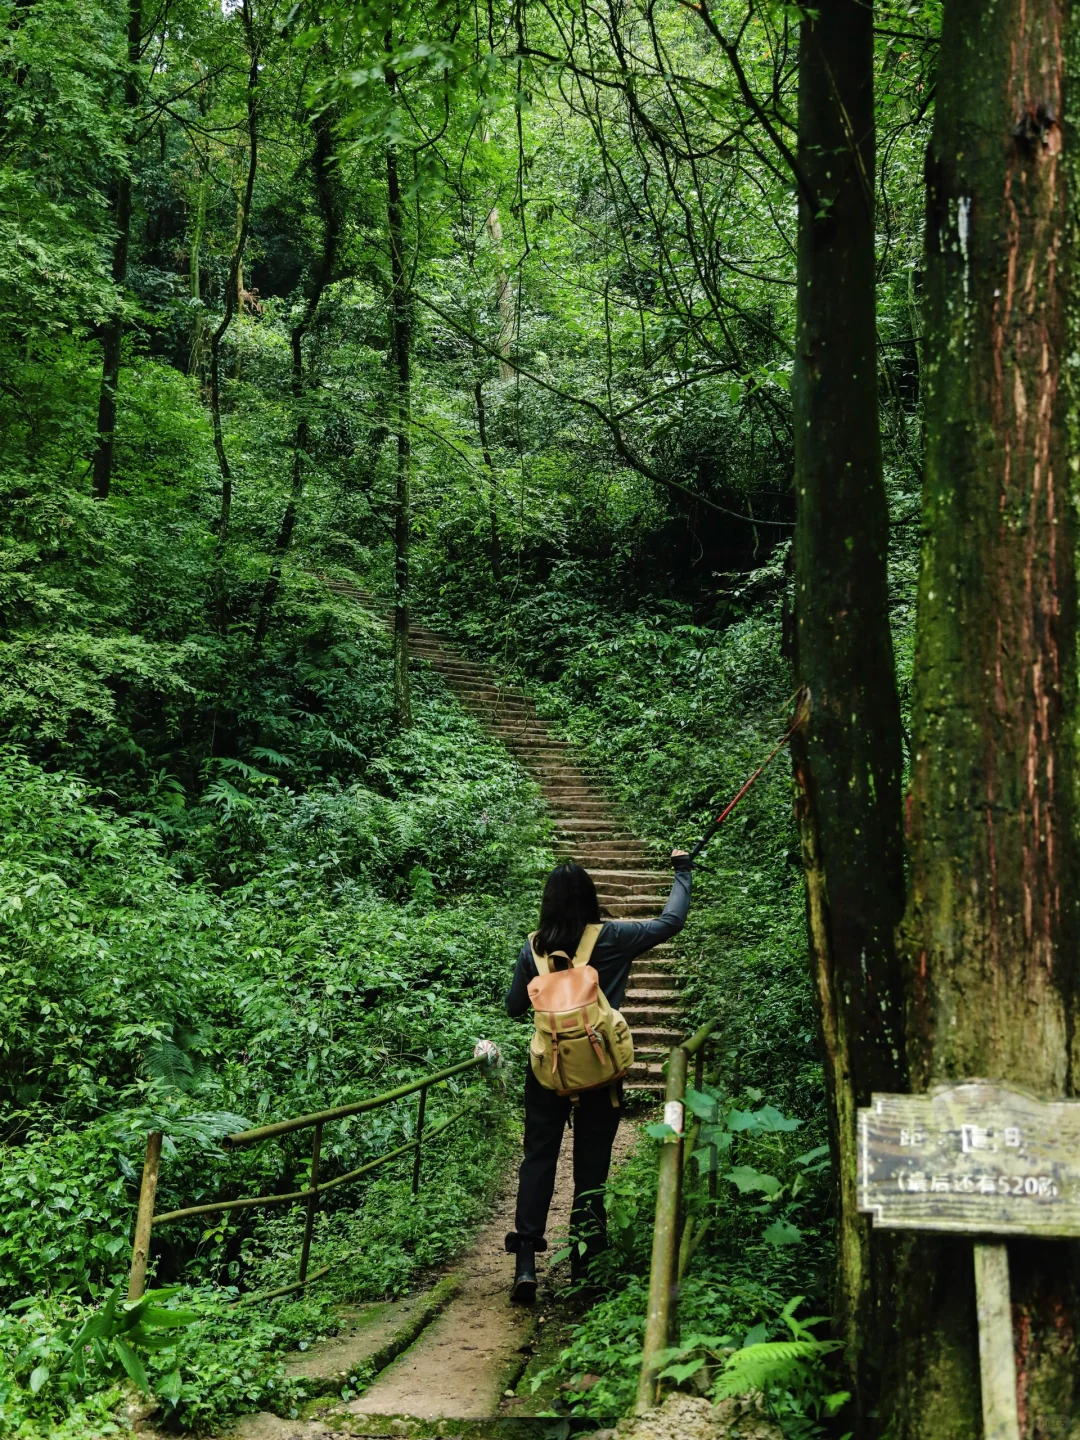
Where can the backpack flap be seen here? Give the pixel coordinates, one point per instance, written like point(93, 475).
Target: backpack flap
point(579, 1043)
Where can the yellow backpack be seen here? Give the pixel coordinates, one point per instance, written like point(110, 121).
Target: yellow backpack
point(579, 1042)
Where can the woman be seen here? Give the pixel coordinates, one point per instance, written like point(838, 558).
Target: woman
point(569, 904)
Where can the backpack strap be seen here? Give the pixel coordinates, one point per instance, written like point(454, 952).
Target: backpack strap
point(543, 964)
point(582, 955)
point(586, 945)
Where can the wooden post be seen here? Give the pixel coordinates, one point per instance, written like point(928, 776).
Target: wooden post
point(663, 1278)
point(313, 1202)
point(140, 1250)
point(419, 1141)
point(996, 1361)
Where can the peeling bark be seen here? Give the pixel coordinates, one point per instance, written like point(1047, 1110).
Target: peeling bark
point(325, 192)
point(401, 349)
point(233, 284)
point(847, 755)
point(113, 339)
point(990, 933)
point(494, 540)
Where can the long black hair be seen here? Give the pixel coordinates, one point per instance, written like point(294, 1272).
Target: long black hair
point(569, 904)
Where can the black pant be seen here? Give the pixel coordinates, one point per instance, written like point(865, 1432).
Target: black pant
point(596, 1120)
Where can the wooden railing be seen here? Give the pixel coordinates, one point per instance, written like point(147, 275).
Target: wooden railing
point(673, 1241)
point(147, 1220)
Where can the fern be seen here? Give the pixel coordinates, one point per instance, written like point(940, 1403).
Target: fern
point(772, 1362)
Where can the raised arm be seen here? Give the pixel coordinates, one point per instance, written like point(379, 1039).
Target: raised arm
point(633, 937)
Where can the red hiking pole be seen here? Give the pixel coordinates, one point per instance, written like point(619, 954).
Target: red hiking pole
point(712, 829)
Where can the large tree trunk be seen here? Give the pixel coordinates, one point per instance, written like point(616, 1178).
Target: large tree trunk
point(232, 286)
point(494, 539)
point(847, 755)
point(401, 345)
point(326, 194)
point(504, 295)
point(113, 337)
point(990, 933)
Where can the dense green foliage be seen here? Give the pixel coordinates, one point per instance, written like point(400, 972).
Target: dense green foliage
point(233, 886)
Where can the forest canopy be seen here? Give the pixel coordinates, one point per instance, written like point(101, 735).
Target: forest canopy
point(636, 348)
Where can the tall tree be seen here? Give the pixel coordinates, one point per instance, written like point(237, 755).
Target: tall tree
point(233, 284)
point(401, 349)
point(113, 336)
point(327, 192)
point(847, 755)
point(990, 932)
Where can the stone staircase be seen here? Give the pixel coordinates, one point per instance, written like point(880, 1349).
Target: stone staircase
point(629, 883)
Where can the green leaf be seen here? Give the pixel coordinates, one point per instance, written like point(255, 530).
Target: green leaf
point(781, 1232)
point(170, 1387)
point(715, 1135)
point(38, 1377)
point(132, 1364)
point(815, 1154)
point(158, 1315)
point(770, 1120)
point(660, 1131)
point(681, 1373)
point(747, 1179)
point(702, 1105)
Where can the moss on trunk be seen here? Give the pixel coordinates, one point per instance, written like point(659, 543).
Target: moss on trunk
point(990, 932)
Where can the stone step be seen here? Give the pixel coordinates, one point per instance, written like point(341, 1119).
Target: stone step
point(637, 907)
point(654, 983)
point(583, 823)
point(637, 1015)
point(661, 1038)
point(630, 877)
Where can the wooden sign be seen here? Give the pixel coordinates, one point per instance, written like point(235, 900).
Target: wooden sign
point(977, 1157)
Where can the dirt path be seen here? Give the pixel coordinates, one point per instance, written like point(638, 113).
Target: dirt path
point(462, 1363)
point(466, 1358)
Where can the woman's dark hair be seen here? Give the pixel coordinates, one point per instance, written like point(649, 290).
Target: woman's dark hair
point(569, 904)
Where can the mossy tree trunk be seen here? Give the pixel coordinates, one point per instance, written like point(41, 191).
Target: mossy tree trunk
point(401, 347)
point(847, 755)
point(990, 933)
point(113, 336)
point(328, 195)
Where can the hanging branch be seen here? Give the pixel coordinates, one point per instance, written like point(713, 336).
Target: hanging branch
point(731, 51)
point(612, 423)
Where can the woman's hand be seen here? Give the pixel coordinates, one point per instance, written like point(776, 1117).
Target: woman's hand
point(681, 859)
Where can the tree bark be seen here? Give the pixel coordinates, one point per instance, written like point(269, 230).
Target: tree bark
point(847, 754)
point(233, 281)
point(113, 338)
point(195, 275)
point(494, 541)
point(990, 933)
point(504, 296)
point(325, 190)
point(401, 348)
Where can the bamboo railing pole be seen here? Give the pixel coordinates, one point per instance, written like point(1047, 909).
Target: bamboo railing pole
point(419, 1141)
point(140, 1250)
point(358, 1107)
point(663, 1278)
point(313, 1201)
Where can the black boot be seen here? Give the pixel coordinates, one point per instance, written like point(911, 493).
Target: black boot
point(523, 1290)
